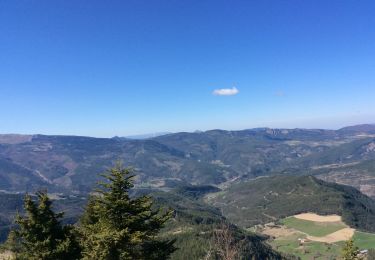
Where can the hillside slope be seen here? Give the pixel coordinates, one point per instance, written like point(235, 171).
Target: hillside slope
point(192, 225)
point(272, 198)
point(71, 164)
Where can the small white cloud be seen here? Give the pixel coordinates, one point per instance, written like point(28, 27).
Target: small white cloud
point(279, 93)
point(225, 91)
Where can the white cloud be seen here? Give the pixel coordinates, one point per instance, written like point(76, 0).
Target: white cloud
point(279, 93)
point(225, 91)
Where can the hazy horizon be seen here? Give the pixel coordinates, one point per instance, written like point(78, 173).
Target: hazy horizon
point(157, 133)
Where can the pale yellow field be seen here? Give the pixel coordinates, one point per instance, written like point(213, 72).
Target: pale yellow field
point(318, 218)
point(340, 235)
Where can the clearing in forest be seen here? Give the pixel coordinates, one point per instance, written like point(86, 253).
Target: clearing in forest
point(315, 229)
point(310, 235)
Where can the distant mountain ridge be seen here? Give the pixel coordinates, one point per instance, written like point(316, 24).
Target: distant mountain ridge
point(146, 136)
point(367, 128)
point(14, 138)
point(216, 157)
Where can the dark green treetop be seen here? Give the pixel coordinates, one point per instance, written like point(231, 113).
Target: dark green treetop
point(116, 226)
point(40, 234)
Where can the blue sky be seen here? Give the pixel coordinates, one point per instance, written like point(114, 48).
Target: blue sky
point(105, 68)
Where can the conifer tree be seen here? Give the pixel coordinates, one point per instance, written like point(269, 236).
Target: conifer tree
point(350, 251)
point(116, 226)
point(40, 234)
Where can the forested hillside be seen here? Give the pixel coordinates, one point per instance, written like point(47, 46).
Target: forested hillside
point(272, 198)
point(192, 226)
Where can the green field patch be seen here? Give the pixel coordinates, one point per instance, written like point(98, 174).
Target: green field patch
point(364, 240)
point(290, 244)
point(287, 244)
point(309, 250)
point(318, 229)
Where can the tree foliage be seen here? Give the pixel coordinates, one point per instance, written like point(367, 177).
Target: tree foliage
point(116, 226)
point(40, 234)
point(350, 251)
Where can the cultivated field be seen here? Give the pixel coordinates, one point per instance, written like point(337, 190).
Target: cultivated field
point(318, 218)
point(311, 236)
point(312, 228)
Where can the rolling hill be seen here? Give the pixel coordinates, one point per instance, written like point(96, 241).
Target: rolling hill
point(270, 199)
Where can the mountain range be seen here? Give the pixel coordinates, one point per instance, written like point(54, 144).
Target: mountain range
point(72, 164)
point(243, 178)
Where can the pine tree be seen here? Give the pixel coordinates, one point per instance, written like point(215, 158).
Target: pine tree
point(40, 235)
point(115, 226)
point(350, 251)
